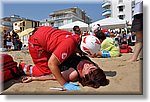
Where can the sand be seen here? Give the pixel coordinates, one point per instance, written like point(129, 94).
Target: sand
point(125, 78)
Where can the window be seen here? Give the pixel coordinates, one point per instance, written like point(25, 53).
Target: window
point(121, 17)
point(35, 24)
point(69, 20)
point(32, 25)
point(120, 8)
point(21, 29)
point(52, 24)
point(23, 23)
point(60, 23)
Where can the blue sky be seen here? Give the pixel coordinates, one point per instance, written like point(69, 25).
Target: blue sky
point(41, 10)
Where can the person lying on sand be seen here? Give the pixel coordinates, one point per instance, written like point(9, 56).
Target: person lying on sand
point(76, 68)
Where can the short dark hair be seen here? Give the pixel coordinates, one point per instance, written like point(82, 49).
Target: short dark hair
point(75, 27)
point(100, 35)
point(94, 79)
point(77, 30)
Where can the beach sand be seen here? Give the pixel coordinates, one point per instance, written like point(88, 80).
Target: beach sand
point(124, 78)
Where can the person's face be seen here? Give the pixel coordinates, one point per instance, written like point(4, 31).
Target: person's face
point(78, 31)
point(86, 67)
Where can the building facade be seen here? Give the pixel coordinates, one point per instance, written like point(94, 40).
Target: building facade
point(18, 24)
point(122, 9)
point(46, 22)
point(65, 16)
point(24, 24)
point(15, 22)
point(6, 23)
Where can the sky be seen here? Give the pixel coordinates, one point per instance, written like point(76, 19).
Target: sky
point(41, 10)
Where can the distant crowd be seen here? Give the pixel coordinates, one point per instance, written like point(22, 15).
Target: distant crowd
point(113, 43)
point(11, 40)
point(120, 37)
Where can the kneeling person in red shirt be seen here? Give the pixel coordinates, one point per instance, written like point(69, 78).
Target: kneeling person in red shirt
point(49, 48)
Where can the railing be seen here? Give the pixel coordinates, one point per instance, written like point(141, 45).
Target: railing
point(106, 10)
point(107, 3)
point(120, 4)
point(61, 17)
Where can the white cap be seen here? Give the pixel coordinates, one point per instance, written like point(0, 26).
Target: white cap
point(96, 27)
point(90, 45)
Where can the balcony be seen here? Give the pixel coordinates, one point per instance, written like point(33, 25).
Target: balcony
point(120, 4)
point(106, 12)
point(106, 4)
point(121, 13)
point(5, 23)
point(61, 17)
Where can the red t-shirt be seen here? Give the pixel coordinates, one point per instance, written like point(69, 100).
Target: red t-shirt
point(59, 42)
point(104, 30)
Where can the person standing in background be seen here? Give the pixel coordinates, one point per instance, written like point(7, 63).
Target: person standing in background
point(15, 37)
point(137, 27)
point(4, 34)
point(9, 42)
point(77, 30)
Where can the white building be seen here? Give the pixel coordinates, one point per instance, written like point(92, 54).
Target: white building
point(69, 15)
point(122, 9)
point(46, 22)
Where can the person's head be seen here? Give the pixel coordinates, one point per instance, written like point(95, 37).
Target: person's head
point(93, 76)
point(96, 28)
point(77, 30)
point(4, 31)
point(100, 35)
point(90, 45)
